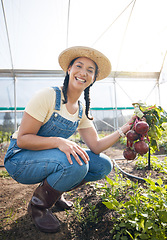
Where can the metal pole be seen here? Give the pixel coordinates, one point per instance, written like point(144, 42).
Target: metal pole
point(159, 96)
point(15, 114)
point(116, 112)
point(159, 78)
point(149, 161)
point(68, 19)
point(11, 59)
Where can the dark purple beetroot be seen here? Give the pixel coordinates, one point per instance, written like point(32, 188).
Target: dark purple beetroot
point(132, 135)
point(142, 127)
point(129, 153)
point(141, 147)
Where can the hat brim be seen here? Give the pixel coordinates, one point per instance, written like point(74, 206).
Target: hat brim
point(103, 63)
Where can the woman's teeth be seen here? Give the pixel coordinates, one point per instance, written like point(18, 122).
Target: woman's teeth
point(81, 80)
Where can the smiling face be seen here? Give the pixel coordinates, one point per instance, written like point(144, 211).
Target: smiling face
point(82, 73)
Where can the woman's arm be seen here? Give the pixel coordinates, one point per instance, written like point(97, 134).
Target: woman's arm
point(97, 145)
point(28, 139)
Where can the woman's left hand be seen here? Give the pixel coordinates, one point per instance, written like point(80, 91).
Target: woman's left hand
point(127, 126)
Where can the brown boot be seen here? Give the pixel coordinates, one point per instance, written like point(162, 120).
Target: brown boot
point(43, 198)
point(64, 204)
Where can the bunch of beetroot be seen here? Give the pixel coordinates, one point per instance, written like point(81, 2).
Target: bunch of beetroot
point(137, 139)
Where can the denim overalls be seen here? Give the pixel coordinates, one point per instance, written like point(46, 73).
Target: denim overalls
point(31, 167)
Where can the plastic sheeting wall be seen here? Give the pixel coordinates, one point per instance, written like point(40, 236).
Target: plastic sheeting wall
point(108, 93)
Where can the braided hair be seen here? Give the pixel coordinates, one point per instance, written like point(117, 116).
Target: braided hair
point(65, 87)
point(86, 91)
point(87, 102)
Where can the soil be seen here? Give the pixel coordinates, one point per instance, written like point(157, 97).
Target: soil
point(16, 224)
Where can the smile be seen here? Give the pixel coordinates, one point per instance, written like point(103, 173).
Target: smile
point(80, 80)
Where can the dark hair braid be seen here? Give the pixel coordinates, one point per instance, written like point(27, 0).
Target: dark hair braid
point(65, 87)
point(87, 100)
point(87, 95)
point(65, 84)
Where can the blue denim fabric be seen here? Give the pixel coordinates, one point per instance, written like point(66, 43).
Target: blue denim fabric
point(31, 167)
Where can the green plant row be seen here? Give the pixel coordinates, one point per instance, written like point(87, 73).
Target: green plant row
point(78, 213)
point(156, 164)
point(139, 213)
point(4, 136)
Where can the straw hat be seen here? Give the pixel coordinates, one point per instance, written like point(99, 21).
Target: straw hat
point(103, 63)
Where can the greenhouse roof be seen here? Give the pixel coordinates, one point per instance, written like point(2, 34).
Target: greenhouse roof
point(133, 34)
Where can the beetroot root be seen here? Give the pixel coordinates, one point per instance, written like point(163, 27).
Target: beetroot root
point(132, 135)
point(129, 154)
point(142, 128)
point(141, 147)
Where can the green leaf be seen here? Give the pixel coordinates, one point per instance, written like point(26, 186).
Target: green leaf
point(114, 204)
point(129, 234)
point(160, 182)
point(109, 205)
point(141, 224)
point(138, 112)
point(144, 215)
point(122, 224)
point(144, 236)
point(124, 238)
point(133, 222)
point(109, 181)
point(150, 197)
point(158, 131)
point(164, 170)
point(163, 215)
point(149, 224)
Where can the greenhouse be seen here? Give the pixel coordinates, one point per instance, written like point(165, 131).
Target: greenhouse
point(132, 34)
point(34, 33)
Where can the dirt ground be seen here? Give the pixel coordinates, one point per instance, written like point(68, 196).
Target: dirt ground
point(16, 224)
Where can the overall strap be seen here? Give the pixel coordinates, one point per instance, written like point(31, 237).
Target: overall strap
point(58, 98)
point(58, 102)
point(80, 112)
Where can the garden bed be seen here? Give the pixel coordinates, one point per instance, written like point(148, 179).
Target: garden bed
point(15, 223)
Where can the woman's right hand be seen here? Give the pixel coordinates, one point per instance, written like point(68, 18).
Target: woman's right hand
point(71, 148)
point(28, 139)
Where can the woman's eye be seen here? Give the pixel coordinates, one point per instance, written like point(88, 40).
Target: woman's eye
point(90, 71)
point(78, 66)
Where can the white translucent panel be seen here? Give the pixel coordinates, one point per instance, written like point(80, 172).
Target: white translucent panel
point(7, 93)
point(27, 87)
point(135, 90)
point(133, 34)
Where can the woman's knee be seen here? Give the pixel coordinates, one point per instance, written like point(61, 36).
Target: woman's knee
point(100, 166)
point(107, 164)
point(79, 171)
point(69, 177)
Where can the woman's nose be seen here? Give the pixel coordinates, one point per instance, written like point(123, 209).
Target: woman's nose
point(83, 72)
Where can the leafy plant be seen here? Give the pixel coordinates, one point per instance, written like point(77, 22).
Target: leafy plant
point(4, 136)
point(91, 215)
point(140, 213)
point(162, 142)
point(8, 218)
point(156, 164)
point(155, 117)
point(4, 174)
point(78, 210)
